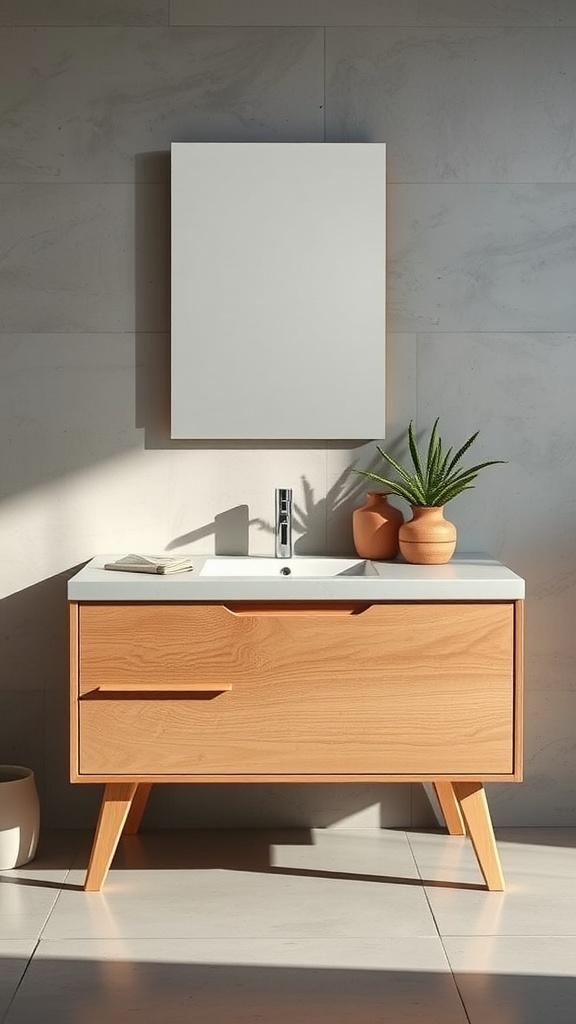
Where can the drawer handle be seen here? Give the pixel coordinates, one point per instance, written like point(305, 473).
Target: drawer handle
point(154, 690)
point(309, 609)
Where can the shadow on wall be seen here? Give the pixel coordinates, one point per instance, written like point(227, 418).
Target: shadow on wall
point(231, 527)
point(152, 314)
point(288, 805)
point(74, 398)
point(33, 641)
point(34, 686)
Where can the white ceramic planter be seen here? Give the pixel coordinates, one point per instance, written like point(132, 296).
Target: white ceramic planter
point(19, 816)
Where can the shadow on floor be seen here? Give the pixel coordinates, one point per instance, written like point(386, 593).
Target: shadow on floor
point(248, 850)
point(112, 987)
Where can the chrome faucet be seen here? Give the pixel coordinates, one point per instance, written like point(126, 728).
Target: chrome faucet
point(283, 528)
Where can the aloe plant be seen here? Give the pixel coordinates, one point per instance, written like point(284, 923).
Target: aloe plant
point(432, 481)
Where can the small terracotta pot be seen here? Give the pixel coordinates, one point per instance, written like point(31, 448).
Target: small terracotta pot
point(428, 538)
point(375, 528)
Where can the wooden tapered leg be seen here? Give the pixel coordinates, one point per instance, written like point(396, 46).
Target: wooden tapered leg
point(474, 806)
point(137, 809)
point(116, 803)
point(450, 808)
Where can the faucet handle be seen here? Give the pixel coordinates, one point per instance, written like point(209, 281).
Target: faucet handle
point(283, 548)
point(283, 499)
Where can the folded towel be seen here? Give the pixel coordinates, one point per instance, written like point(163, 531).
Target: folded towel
point(157, 564)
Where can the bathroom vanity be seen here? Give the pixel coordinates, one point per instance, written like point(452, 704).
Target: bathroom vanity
point(337, 671)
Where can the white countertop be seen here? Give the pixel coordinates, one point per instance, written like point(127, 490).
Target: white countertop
point(467, 577)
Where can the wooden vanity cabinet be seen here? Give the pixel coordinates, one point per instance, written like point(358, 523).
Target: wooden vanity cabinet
point(336, 692)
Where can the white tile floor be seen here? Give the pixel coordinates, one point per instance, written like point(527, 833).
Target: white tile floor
point(292, 927)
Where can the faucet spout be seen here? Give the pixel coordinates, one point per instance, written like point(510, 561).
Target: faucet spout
point(283, 527)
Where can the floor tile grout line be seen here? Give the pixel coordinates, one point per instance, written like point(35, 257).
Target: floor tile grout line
point(49, 913)
point(21, 979)
point(438, 932)
point(456, 986)
point(62, 886)
point(424, 887)
point(530, 936)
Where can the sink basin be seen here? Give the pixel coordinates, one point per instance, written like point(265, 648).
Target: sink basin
point(300, 567)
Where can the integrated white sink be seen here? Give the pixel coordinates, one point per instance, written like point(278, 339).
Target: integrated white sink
point(302, 567)
point(225, 579)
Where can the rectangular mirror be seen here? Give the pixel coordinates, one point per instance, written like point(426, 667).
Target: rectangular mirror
point(278, 290)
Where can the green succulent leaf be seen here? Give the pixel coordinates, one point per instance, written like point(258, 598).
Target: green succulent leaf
point(414, 453)
point(433, 475)
point(451, 493)
point(462, 451)
point(414, 483)
point(445, 461)
point(460, 474)
point(393, 486)
point(433, 481)
point(432, 456)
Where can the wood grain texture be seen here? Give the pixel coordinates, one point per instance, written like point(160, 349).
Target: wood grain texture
point(400, 689)
point(422, 691)
point(180, 643)
point(160, 688)
point(518, 691)
point(472, 799)
point(137, 808)
point(288, 777)
point(73, 618)
point(450, 808)
point(114, 810)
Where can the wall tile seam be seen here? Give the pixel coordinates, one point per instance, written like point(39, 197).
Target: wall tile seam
point(480, 184)
point(18, 691)
point(171, 22)
point(551, 691)
point(324, 83)
point(327, 26)
point(460, 26)
point(162, 26)
point(50, 688)
point(467, 332)
point(165, 182)
point(135, 333)
point(85, 332)
point(111, 24)
point(390, 183)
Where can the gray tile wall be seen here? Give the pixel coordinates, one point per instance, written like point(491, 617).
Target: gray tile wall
point(477, 103)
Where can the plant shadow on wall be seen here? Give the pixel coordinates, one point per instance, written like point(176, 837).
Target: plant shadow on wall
point(320, 525)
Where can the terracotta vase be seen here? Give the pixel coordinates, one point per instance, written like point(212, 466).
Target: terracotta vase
point(375, 528)
point(428, 538)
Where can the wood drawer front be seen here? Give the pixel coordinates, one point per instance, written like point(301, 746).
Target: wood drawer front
point(396, 688)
